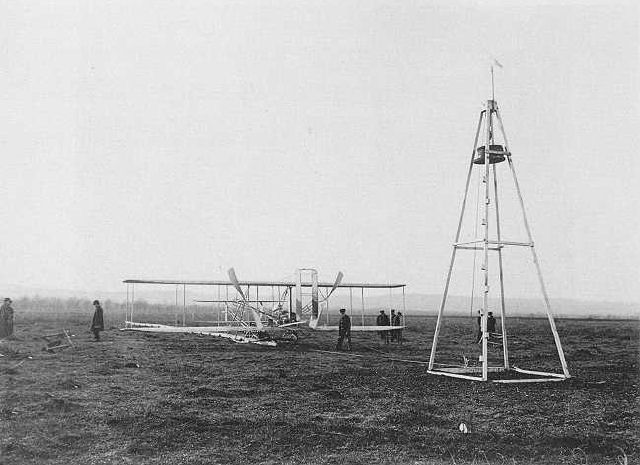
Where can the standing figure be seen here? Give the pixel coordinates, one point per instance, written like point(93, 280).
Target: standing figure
point(479, 333)
point(383, 320)
point(392, 322)
point(491, 324)
point(397, 321)
point(6, 319)
point(380, 322)
point(344, 330)
point(97, 324)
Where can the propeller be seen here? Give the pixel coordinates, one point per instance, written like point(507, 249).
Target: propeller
point(333, 288)
point(315, 316)
point(335, 284)
point(234, 280)
point(256, 312)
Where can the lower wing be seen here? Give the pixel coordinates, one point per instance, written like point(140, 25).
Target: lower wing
point(360, 328)
point(157, 328)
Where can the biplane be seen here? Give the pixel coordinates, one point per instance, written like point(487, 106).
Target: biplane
point(250, 317)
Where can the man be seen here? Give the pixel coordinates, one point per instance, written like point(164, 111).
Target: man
point(383, 320)
point(344, 330)
point(397, 321)
point(97, 324)
point(6, 319)
point(491, 324)
point(379, 322)
point(479, 334)
point(392, 322)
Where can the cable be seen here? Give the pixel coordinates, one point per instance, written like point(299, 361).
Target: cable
point(475, 236)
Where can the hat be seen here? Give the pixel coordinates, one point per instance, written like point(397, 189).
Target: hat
point(342, 310)
point(96, 302)
point(381, 311)
point(7, 299)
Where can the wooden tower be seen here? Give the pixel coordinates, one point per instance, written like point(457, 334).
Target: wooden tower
point(486, 158)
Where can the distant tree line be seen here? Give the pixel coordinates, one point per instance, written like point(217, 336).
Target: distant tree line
point(39, 304)
point(60, 305)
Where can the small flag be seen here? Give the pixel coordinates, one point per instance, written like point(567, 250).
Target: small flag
point(497, 63)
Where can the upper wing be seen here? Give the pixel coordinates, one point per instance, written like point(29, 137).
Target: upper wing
point(291, 284)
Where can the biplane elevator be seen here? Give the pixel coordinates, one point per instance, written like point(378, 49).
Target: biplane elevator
point(487, 240)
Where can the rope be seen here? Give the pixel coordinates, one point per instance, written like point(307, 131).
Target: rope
point(350, 354)
point(475, 236)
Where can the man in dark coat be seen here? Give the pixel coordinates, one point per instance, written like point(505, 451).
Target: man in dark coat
point(491, 324)
point(383, 320)
point(97, 324)
point(6, 318)
point(397, 321)
point(344, 330)
point(479, 333)
point(392, 322)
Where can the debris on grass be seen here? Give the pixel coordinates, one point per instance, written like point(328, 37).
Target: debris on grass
point(12, 370)
point(58, 341)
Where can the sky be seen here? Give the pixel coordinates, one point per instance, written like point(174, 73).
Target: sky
point(177, 139)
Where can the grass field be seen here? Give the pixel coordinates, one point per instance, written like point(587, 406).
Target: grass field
point(178, 399)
